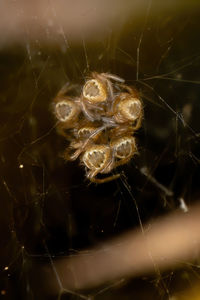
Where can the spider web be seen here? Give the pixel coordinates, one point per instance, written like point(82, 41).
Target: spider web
point(49, 211)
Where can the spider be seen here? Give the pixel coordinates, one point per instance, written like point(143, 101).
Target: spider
point(123, 148)
point(97, 92)
point(66, 109)
point(127, 108)
point(99, 121)
point(98, 159)
point(67, 114)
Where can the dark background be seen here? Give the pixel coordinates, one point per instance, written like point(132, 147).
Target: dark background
point(50, 202)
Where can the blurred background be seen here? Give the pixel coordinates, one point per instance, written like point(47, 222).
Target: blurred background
point(48, 209)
